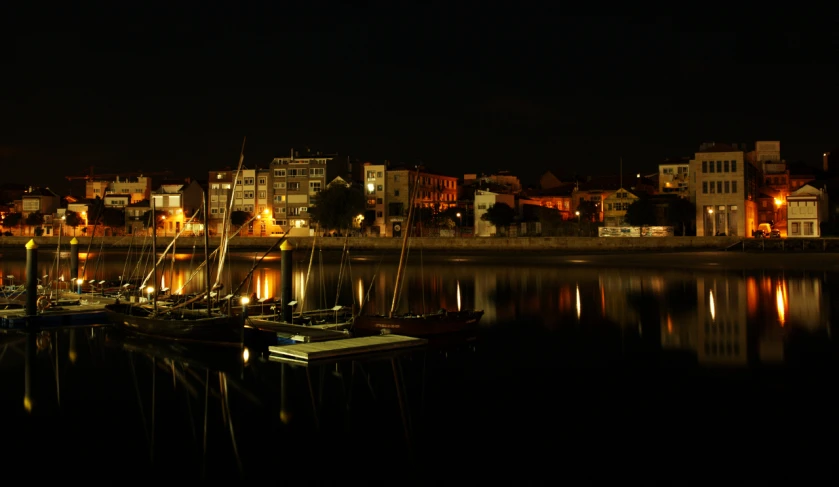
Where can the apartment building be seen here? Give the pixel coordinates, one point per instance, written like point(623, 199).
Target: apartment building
point(725, 190)
point(295, 180)
point(674, 177)
point(374, 193)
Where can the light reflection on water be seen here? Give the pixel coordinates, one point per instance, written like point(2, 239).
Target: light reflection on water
point(106, 390)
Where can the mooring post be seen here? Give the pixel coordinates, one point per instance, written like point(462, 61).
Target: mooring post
point(286, 251)
point(74, 264)
point(31, 279)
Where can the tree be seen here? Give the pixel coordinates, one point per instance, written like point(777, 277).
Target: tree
point(588, 210)
point(640, 212)
point(113, 218)
point(500, 215)
point(158, 219)
point(681, 212)
point(12, 220)
point(337, 206)
point(96, 211)
point(551, 220)
point(239, 218)
point(35, 219)
point(72, 219)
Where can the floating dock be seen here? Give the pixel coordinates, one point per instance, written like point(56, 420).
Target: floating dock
point(305, 353)
point(299, 333)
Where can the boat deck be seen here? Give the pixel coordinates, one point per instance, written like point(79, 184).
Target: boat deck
point(333, 350)
point(299, 333)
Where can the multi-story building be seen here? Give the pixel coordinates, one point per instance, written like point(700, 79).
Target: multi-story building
point(220, 187)
point(178, 202)
point(725, 193)
point(674, 177)
point(296, 179)
point(136, 188)
point(374, 194)
point(435, 193)
point(43, 201)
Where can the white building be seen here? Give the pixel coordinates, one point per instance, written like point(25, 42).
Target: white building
point(484, 200)
point(807, 207)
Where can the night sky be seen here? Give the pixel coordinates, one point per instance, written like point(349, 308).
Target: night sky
point(463, 90)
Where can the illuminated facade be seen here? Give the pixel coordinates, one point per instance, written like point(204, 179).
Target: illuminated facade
point(295, 180)
point(725, 191)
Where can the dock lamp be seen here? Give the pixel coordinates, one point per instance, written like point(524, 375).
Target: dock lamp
point(149, 290)
point(292, 304)
point(245, 301)
point(80, 281)
point(460, 218)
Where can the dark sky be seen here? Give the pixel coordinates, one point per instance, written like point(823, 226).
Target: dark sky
point(465, 89)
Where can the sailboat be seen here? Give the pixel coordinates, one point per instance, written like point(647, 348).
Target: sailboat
point(441, 322)
point(179, 322)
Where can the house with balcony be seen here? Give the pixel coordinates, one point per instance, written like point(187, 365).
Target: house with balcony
point(807, 209)
point(135, 218)
point(674, 177)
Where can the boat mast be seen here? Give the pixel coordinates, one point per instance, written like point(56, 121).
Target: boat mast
point(153, 219)
point(407, 229)
point(207, 284)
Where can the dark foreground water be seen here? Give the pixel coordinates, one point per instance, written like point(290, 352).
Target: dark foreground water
point(521, 406)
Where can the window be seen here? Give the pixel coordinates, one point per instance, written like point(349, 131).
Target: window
point(294, 186)
point(249, 195)
point(719, 185)
point(713, 187)
point(395, 192)
point(379, 174)
point(314, 186)
point(371, 174)
point(214, 186)
point(262, 181)
point(379, 188)
point(808, 228)
point(733, 166)
point(734, 186)
point(725, 166)
point(279, 185)
point(278, 198)
point(705, 187)
point(719, 166)
point(316, 171)
point(249, 181)
point(795, 228)
point(238, 195)
point(379, 214)
point(704, 166)
point(262, 194)
point(727, 184)
point(710, 166)
point(379, 201)
point(279, 173)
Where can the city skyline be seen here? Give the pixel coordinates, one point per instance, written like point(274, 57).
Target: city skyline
point(461, 90)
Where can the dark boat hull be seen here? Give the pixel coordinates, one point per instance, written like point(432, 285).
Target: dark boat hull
point(187, 325)
point(434, 324)
point(211, 356)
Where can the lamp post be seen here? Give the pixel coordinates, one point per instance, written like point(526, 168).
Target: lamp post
point(163, 219)
point(713, 223)
point(79, 281)
point(460, 219)
point(149, 290)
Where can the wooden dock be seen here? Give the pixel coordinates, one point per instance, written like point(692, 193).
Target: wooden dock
point(299, 333)
point(306, 353)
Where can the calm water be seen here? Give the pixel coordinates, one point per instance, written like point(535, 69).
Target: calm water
point(660, 366)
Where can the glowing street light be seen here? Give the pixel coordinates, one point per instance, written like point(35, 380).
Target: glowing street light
point(713, 222)
point(460, 217)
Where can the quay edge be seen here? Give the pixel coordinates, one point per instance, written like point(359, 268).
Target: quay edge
point(436, 244)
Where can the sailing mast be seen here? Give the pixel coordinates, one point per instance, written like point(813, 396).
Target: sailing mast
point(620, 190)
point(226, 225)
point(153, 219)
point(206, 199)
point(407, 228)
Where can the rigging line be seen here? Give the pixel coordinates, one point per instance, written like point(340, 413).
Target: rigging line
point(163, 255)
point(213, 255)
point(341, 269)
point(322, 282)
point(422, 279)
point(100, 209)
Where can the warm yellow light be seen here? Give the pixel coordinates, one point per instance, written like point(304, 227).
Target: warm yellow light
point(80, 281)
point(150, 289)
point(245, 300)
point(246, 354)
point(27, 404)
point(370, 187)
point(710, 210)
point(458, 214)
point(778, 202)
point(72, 355)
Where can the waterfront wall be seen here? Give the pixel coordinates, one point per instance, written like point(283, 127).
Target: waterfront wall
point(441, 244)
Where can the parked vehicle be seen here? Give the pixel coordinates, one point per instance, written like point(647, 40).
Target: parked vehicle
point(775, 234)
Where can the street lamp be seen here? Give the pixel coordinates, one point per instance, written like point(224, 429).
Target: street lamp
point(149, 290)
point(163, 219)
point(460, 218)
point(79, 281)
point(713, 223)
